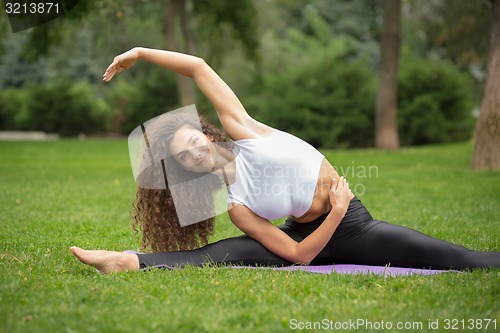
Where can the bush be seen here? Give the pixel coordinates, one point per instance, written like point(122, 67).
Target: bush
point(435, 102)
point(328, 103)
point(58, 107)
point(72, 108)
point(11, 104)
point(63, 108)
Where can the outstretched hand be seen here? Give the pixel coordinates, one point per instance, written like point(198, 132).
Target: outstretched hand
point(340, 194)
point(120, 63)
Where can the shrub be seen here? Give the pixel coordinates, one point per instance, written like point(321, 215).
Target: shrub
point(330, 102)
point(72, 108)
point(327, 103)
point(67, 109)
point(435, 102)
point(11, 105)
point(58, 107)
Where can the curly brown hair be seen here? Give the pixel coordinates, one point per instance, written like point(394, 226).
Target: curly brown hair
point(154, 214)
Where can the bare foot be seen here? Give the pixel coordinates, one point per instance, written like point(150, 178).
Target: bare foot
point(107, 261)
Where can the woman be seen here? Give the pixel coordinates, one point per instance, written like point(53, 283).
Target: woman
point(326, 223)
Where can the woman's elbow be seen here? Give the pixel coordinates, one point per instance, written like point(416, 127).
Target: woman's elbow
point(303, 261)
point(301, 258)
point(199, 66)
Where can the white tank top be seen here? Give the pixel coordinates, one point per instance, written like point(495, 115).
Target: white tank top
point(276, 175)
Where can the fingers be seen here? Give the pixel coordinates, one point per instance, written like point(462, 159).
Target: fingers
point(346, 187)
point(335, 182)
point(340, 194)
point(342, 184)
point(348, 191)
point(111, 70)
point(108, 75)
point(115, 62)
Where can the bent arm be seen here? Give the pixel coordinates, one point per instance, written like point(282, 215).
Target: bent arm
point(278, 242)
point(233, 116)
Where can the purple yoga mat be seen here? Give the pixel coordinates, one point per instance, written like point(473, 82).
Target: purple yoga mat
point(344, 269)
point(361, 269)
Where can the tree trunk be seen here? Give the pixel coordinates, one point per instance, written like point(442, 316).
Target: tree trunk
point(487, 134)
point(386, 130)
point(177, 9)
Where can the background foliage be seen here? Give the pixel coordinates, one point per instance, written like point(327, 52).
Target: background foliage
point(308, 67)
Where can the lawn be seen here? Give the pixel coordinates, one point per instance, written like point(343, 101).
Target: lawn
point(63, 193)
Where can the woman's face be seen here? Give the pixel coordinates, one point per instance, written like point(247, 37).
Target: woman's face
point(192, 149)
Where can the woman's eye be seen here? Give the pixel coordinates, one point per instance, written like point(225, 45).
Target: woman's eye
point(182, 158)
point(195, 141)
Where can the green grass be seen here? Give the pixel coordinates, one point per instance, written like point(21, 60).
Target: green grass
point(57, 194)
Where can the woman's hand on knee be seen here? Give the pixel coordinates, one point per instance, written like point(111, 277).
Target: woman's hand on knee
point(340, 194)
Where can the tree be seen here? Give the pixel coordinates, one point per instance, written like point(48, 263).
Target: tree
point(210, 16)
point(180, 28)
point(487, 134)
point(449, 30)
point(43, 36)
point(386, 131)
point(15, 71)
point(177, 9)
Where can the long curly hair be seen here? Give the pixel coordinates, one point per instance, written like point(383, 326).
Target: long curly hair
point(154, 213)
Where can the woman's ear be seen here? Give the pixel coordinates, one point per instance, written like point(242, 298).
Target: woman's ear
point(211, 138)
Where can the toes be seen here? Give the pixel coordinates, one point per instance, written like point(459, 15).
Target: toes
point(79, 253)
point(74, 250)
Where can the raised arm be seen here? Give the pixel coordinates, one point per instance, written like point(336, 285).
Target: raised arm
point(233, 116)
point(278, 242)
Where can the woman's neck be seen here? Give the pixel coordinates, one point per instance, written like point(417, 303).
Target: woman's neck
point(224, 165)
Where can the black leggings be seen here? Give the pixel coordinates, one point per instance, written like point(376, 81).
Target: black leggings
point(359, 239)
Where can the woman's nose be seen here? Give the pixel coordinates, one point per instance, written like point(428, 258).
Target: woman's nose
point(196, 153)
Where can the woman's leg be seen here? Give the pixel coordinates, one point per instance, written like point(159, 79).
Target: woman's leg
point(361, 240)
point(241, 250)
point(380, 243)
